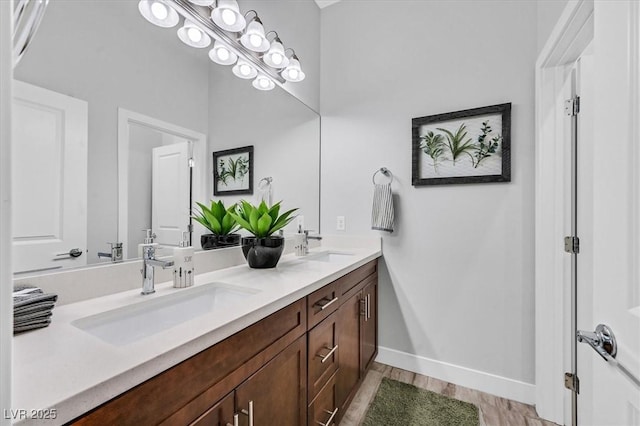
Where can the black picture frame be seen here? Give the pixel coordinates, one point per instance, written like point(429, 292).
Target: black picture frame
point(420, 124)
point(233, 184)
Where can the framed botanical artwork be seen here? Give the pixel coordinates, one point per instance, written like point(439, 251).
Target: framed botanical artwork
point(469, 146)
point(233, 171)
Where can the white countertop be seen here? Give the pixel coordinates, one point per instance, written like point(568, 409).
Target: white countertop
point(64, 368)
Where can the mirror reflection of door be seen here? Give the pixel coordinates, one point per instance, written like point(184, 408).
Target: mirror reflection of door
point(159, 186)
point(49, 179)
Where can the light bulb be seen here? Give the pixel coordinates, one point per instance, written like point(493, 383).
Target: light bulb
point(255, 40)
point(223, 53)
point(276, 58)
point(228, 17)
point(294, 74)
point(195, 35)
point(159, 10)
point(263, 82)
point(245, 69)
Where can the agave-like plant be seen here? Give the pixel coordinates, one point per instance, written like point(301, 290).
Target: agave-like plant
point(217, 218)
point(262, 221)
point(433, 145)
point(457, 143)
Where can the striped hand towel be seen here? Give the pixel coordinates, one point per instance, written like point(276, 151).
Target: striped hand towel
point(382, 212)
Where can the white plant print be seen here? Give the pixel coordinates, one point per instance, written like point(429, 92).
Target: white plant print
point(233, 172)
point(464, 147)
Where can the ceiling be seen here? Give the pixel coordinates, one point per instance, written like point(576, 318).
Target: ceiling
point(324, 3)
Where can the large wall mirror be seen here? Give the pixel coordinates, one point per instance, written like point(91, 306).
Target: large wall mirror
point(115, 126)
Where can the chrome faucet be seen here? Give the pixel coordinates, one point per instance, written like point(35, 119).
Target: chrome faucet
point(149, 262)
point(305, 239)
point(116, 252)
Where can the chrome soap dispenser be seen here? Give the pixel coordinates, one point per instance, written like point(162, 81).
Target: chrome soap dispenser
point(183, 263)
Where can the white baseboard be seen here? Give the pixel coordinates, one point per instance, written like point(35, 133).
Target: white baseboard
point(462, 376)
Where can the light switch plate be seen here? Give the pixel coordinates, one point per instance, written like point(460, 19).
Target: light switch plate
point(340, 223)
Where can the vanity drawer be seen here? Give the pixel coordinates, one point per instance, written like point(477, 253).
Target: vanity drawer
point(347, 284)
point(321, 303)
point(323, 354)
point(324, 409)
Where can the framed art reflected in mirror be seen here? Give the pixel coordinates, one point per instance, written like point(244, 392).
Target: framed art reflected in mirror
point(233, 171)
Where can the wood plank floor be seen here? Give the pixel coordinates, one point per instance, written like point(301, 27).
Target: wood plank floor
point(494, 411)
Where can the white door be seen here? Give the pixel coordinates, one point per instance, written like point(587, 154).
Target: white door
point(170, 195)
point(49, 179)
point(616, 216)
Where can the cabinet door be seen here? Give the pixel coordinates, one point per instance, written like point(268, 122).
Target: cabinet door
point(276, 395)
point(220, 414)
point(369, 336)
point(349, 343)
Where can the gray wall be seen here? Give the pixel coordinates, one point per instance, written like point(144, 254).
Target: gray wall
point(548, 12)
point(456, 283)
point(105, 53)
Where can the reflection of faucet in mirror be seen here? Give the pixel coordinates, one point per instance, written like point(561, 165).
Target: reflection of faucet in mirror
point(149, 262)
point(116, 252)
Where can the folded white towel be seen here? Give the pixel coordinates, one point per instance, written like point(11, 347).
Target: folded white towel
point(382, 214)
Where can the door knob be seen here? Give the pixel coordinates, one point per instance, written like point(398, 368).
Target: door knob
point(603, 341)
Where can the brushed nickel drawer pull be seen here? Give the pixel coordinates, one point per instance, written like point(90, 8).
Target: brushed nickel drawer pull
point(326, 303)
point(327, 356)
point(249, 413)
point(333, 414)
point(236, 420)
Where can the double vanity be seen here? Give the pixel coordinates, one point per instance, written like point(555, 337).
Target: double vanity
point(285, 346)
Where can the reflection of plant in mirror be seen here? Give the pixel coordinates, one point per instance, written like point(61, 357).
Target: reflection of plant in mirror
point(433, 145)
point(262, 221)
point(456, 143)
point(484, 149)
point(216, 218)
point(237, 169)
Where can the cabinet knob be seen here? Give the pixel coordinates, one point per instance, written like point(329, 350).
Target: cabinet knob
point(236, 420)
point(327, 356)
point(333, 414)
point(249, 413)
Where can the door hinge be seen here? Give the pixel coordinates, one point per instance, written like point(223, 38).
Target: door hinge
point(572, 106)
point(571, 382)
point(572, 245)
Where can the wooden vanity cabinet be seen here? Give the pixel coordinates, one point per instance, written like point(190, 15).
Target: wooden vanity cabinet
point(272, 370)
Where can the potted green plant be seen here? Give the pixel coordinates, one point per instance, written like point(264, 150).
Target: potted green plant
point(263, 249)
point(220, 222)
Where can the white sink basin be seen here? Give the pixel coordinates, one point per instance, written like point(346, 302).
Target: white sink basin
point(330, 257)
point(131, 323)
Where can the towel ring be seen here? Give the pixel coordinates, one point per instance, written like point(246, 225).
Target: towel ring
point(267, 181)
point(385, 172)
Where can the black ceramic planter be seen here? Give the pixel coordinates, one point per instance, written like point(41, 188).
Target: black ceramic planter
point(212, 241)
point(262, 253)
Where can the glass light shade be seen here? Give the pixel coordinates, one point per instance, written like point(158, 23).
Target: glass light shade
point(254, 38)
point(202, 2)
point(191, 35)
point(275, 57)
point(293, 72)
point(227, 16)
point(221, 54)
point(243, 69)
point(262, 82)
point(158, 13)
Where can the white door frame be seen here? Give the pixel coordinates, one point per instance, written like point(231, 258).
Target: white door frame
point(125, 119)
point(569, 38)
point(6, 301)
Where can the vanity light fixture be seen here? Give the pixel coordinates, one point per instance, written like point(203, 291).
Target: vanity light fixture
point(243, 69)
point(262, 82)
point(276, 56)
point(293, 72)
point(254, 38)
point(256, 56)
point(221, 54)
point(227, 16)
point(158, 13)
point(193, 36)
point(203, 2)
